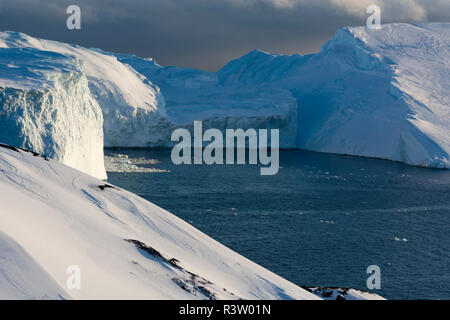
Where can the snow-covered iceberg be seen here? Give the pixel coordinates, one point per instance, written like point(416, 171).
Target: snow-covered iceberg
point(374, 93)
point(46, 106)
point(197, 95)
point(126, 247)
point(133, 108)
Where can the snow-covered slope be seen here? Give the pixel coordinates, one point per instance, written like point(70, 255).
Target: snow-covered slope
point(197, 95)
point(53, 217)
point(376, 93)
point(133, 108)
point(21, 277)
point(46, 106)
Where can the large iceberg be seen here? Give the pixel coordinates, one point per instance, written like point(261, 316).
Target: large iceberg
point(46, 106)
point(133, 108)
point(198, 95)
point(374, 93)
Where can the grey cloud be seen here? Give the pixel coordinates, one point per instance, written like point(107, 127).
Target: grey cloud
point(206, 33)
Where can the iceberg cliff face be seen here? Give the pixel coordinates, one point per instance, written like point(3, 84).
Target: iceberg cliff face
point(375, 93)
point(133, 108)
point(46, 106)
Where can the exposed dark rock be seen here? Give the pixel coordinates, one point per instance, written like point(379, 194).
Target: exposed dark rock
point(106, 186)
point(9, 147)
point(208, 294)
point(193, 287)
point(193, 283)
point(329, 293)
point(25, 150)
point(154, 253)
point(181, 284)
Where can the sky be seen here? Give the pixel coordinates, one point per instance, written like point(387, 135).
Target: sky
point(206, 34)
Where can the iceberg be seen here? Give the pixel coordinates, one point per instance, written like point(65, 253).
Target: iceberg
point(46, 106)
point(133, 108)
point(372, 93)
point(192, 95)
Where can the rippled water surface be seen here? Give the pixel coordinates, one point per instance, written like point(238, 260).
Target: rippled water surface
point(322, 220)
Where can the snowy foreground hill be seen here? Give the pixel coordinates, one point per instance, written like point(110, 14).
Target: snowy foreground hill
point(53, 217)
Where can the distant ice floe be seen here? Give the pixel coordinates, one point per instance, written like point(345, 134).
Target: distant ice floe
point(123, 163)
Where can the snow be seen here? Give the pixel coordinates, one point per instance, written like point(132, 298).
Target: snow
point(46, 106)
point(197, 95)
point(21, 277)
point(55, 217)
point(133, 108)
point(374, 93)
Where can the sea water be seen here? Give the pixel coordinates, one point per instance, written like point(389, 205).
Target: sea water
point(322, 220)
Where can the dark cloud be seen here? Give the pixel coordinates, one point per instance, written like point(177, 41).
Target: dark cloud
point(206, 33)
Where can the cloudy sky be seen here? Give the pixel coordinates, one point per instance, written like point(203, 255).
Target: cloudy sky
point(206, 33)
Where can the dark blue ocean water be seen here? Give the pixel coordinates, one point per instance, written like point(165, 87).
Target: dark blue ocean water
point(322, 220)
